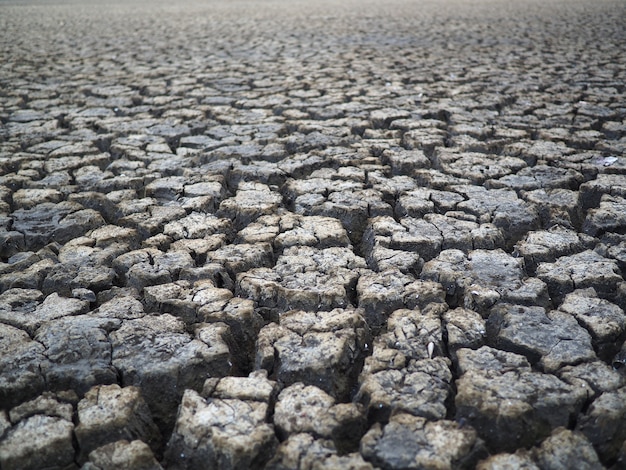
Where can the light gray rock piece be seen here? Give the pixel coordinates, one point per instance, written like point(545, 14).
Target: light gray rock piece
point(32, 277)
point(109, 413)
point(149, 218)
point(501, 207)
point(465, 329)
point(305, 452)
point(477, 167)
point(416, 203)
point(580, 271)
point(58, 222)
point(238, 258)
point(304, 278)
point(507, 403)
point(403, 162)
point(157, 354)
point(122, 454)
point(591, 192)
point(38, 442)
point(412, 442)
point(197, 225)
point(251, 201)
point(20, 361)
point(419, 388)
point(546, 246)
point(124, 307)
point(483, 278)
point(538, 177)
point(47, 404)
point(425, 236)
point(596, 377)
point(549, 339)
point(566, 449)
point(307, 409)
point(323, 348)
point(609, 217)
point(604, 423)
point(52, 307)
point(78, 349)
point(557, 207)
point(150, 266)
point(522, 460)
point(221, 432)
point(379, 294)
point(605, 321)
point(29, 198)
point(288, 229)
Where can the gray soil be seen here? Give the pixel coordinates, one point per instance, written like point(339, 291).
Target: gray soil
point(313, 235)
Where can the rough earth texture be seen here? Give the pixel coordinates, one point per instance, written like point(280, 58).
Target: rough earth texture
point(318, 235)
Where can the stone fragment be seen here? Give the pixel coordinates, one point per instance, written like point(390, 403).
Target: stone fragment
point(609, 217)
point(322, 348)
point(287, 229)
point(604, 423)
point(304, 278)
point(549, 340)
point(220, 433)
point(580, 271)
point(123, 307)
point(156, 354)
point(78, 350)
point(591, 192)
point(109, 413)
point(51, 308)
point(546, 246)
point(566, 449)
point(483, 278)
point(196, 225)
point(379, 294)
point(169, 188)
point(382, 118)
point(403, 162)
point(150, 218)
point(307, 409)
point(304, 451)
point(477, 167)
point(351, 207)
point(385, 239)
point(20, 361)
point(420, 388)
point(122, 454)
point(49, 221)
point(251, 201)
point(238, 258)
point(501, 207)
point(465, 329)
point(412, 442)
point(508, 404)
point(150, 266)
point(28, 198)
point(45, 404)
point(538, 177)
point(605, 321)
point(556, 207)
point(597, 377)
point(520, 460)
point(38, 442)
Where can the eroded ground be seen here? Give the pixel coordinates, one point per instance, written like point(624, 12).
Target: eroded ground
point(272, 234)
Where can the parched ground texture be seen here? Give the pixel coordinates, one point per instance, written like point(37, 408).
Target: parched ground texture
point(314, 235)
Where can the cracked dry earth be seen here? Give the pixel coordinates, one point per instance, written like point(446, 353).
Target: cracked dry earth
point(313, 235)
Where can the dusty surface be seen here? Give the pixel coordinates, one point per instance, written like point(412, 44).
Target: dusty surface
point(273, 234)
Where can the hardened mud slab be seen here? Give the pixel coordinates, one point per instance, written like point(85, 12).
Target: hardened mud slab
point(312, 234)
